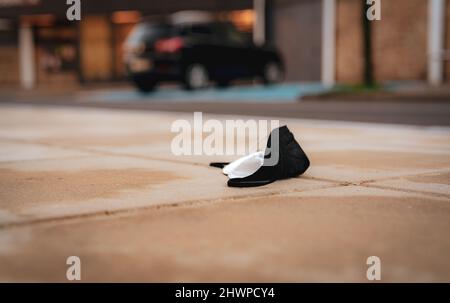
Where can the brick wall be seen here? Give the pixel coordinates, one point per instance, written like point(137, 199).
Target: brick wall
point(349, 51)
point(95, 48)
point(447, 42)
point(399, 41)
point(9, 66)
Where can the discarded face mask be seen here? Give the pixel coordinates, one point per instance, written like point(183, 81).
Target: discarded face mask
point(245, 166)
point(284, 159)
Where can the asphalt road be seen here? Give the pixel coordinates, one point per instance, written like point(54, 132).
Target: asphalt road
point(288, 100)
point(417, 112)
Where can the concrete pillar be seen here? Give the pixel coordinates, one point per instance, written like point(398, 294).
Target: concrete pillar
point(436, 26)
point(328, 42)
point(259, 27)
point(26, 57)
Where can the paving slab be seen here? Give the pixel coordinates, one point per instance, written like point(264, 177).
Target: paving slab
point(317, 235)
point(77, 126)
point(48, 189)
point(104, 185)
point(343, 152)
point(436, 183)
point(18, 151)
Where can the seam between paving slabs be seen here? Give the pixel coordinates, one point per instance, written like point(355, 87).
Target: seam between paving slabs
point(336, 183)
point(369, 183)
point(406, 190)
point(100, 152)
point(128, 212)
point(116, 153)
point(94, 151)
point(428, 172)
point(45, 159)
point(109, 153)
point(193, 203)
point(186, 203)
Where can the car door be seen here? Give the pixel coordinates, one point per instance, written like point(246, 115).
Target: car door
point(206, 48)
point(230, 53)
point(241, 50)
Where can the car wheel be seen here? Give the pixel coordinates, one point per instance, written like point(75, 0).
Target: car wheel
point(273, 73)
point(196, 77)
point(144, 84)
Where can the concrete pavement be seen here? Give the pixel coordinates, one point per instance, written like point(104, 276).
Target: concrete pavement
point(103, 185)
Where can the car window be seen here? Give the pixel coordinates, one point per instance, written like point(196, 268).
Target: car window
point(148, 33)
point(197, 30)
point(232, 35)
point(201, 29)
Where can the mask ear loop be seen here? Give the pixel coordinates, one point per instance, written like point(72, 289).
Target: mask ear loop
point(219, 164)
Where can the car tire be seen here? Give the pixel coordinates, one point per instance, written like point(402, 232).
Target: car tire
point(144, 84)
point(272, 73)
point(196, 76)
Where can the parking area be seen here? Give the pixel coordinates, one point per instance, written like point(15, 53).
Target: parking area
point(249, 93)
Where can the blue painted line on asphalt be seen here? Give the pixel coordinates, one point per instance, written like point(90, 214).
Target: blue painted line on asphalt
point(283, 93)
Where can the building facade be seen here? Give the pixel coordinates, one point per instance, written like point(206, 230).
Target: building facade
point(320, 40)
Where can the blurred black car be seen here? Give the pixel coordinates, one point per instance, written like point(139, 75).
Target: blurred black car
point(195, 54)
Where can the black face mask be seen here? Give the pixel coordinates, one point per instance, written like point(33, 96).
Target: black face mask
point(283, 158)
